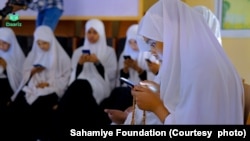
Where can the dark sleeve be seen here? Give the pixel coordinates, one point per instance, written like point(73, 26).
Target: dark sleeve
point(78, 69)
point(143, 75)
point(157, 73)
point(28, 80)
point(28, 1)
point(123, 74)
point(5, 72)
point(100, 69)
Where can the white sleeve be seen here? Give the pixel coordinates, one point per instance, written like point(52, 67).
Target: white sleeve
point(170, 119)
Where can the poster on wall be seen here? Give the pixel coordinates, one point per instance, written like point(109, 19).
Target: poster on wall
point(234, 16)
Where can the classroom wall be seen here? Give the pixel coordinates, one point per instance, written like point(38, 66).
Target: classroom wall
point(147, 4)
point(207, 3)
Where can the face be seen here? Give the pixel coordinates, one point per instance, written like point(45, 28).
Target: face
point(133, 44)
point(4, 46)
point(43, 45)
point(156, 47)
point(92, 35)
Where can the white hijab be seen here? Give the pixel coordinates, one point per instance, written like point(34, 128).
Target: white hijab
point(137, 55)
point(145, 54)
point(106, 55)
point(199, 84)
point(14, 58)
point(131, 35)
point(55, 60)
point(211, 20)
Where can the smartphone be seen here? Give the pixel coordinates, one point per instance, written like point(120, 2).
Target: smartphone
point(126, 57)
point(149, 61)
point(86, 51)
point(128, 82)
point(38, 65)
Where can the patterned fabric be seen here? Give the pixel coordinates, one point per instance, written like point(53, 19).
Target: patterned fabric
point(44, 4)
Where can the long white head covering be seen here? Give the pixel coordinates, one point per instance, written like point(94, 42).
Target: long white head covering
point(211, 20)
point(55, 60)
point(143, 55)
point(14, 57)
point(131, 34)
point(105, 54)
point(100, 47)
point(199, 84)
point(138, 55)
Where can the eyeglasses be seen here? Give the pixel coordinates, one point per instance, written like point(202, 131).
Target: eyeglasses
point(151, 43)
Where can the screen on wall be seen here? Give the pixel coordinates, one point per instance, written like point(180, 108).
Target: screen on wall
point(93, 8)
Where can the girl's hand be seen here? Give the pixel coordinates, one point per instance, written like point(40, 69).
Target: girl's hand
point(83, 58)
point(93, 58)
point(116, 116)
point(150, 101)
point(3, 63)
point(37, 70)
point(153, 67)
point(42, 85)
point(145, 98)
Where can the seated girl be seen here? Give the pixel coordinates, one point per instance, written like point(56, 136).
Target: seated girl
point(46, 74)
point(92, 78)
point(11, 63)
point(142, 65)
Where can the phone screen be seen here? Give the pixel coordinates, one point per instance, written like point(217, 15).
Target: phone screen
point(128, 82)
point(37, 65)
point(86, 51)
point(148, 60)
point(126, 57)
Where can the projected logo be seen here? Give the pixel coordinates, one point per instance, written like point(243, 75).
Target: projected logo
point(13, 20)
point(13, 17)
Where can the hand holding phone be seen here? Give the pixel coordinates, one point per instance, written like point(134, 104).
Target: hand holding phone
point(37, 69)
point(128, 82)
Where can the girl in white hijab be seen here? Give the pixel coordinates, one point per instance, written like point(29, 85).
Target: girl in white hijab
point(211, 20)
point(120, 100)
point(46, 73)
point(198, 83)
point(11, 63)
point(135, 69)
point(92, 78)
point(214, 25)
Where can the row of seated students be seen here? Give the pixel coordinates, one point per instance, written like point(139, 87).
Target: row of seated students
point(48, 91)
point(70, 43)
